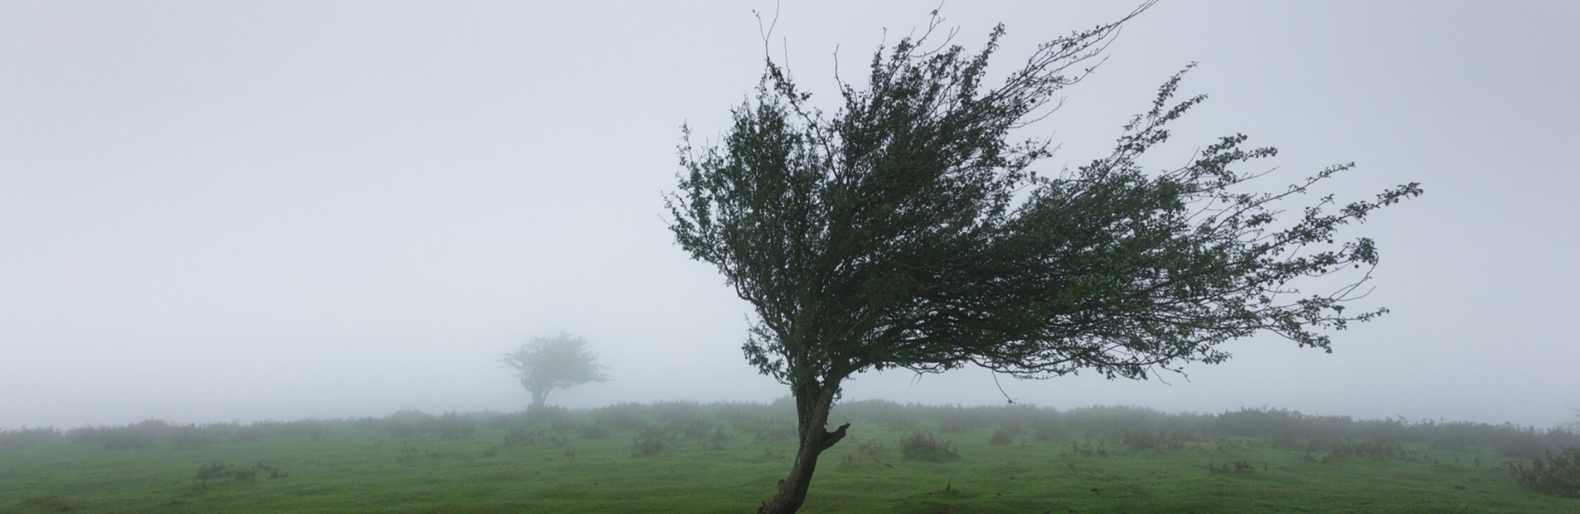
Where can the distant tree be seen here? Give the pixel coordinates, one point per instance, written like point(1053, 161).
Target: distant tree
point(549, 363)
point(907, 231)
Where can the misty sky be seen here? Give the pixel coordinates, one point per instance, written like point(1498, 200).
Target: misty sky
point(216, 211)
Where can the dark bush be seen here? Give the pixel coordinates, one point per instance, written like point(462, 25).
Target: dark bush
point(1369, 449)
point(548, 416)
point(959, 420)
point(29, 436)
point(255, 431)
point(1142, 439)
point(649, 441)
point(141, 435)
point(310, 428)
point(501, 421)
point(1005, 433)
point(620, 416)
point(84, 435)
point(408, 416)
point(1554, 473)
point(449, 426)
point(193, 436)
point(922, 446)
point(594, 432)
point(1049, 431)
point(884, 413)
point(673, 412)
point(740, 413)
point(1239, 466)
point(523, 436)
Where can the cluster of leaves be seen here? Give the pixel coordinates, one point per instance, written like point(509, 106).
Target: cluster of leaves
point(1555, 472)
point(910, 232)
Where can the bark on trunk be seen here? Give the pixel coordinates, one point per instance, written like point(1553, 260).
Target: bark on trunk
point(813, 417)
point(538, 399)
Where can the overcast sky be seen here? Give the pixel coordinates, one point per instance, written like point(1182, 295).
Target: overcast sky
point(216, 211)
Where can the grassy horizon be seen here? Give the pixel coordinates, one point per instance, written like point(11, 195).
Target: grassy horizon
point(677, 456)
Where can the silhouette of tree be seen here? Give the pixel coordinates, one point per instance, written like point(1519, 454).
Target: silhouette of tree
point(549, 363)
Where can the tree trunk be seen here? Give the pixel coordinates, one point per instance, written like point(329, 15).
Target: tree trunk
point(538, 399)
point(812, 418)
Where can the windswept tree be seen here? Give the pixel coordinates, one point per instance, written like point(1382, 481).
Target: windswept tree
point(907, 230)
point(549, 363)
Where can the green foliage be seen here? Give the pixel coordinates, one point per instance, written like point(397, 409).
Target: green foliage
point(549, 363)
point(906, 229)
point(650, 441)
point(922, 446)
point(1555, 472)
point(909, 224)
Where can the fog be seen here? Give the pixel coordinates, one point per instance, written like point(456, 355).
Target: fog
point(244, 211)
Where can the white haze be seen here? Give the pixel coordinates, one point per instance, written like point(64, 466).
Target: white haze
point(216, 211)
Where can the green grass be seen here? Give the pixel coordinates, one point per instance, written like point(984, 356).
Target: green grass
point(365, 470)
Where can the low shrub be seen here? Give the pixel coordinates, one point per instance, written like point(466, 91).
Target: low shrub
point(1049, 431)
point(29, 436)
point(549, 415)
point(594, 432)
point(310, 428)
point(959, 420)
point(620, 416)
point(141, 435)
point(676, 412)
point(1005, 434)
point(922, 446)
point(1554, 473)
point(193, 436)
point(1371, 449)
point(449, 426)
point(649, 441)
point(523, 437)
point(887, 414)
point(219, 470)
point(1148, 440)
point(255, 431)
point(1239, 466)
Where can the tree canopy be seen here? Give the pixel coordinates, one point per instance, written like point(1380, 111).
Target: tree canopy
point(910, 229)
point(549, 363)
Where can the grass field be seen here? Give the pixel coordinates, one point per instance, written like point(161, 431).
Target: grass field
point(694, 458)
